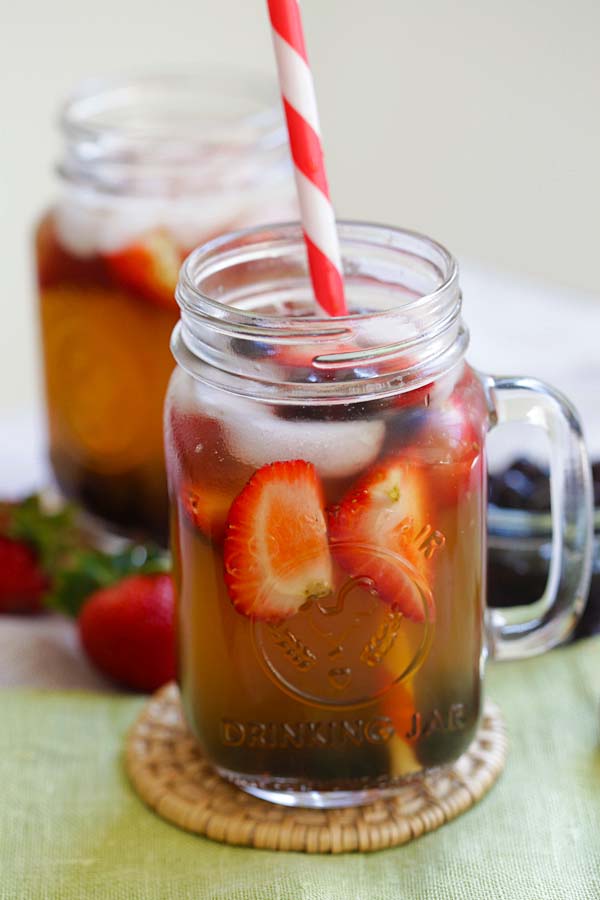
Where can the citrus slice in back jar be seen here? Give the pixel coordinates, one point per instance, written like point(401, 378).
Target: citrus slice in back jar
point(104, 398)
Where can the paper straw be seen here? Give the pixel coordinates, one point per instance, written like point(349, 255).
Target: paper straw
point(300, 106)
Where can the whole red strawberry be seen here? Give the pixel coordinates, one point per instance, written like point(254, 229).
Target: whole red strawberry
point(23, 583)
point(128, 631)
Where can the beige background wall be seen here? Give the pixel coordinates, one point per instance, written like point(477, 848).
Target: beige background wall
point(477, 122)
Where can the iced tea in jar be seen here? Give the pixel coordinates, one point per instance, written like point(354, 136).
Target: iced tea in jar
point(150, 168)
point(327, 479)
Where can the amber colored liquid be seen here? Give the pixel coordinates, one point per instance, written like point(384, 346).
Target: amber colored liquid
point(348, 693)
point(107, 365)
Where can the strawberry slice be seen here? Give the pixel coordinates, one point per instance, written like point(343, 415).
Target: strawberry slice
point(149, 267)
point(207, 509)
point(197, 440)
point(451, 446)
point(276, 552)
point(378, 530)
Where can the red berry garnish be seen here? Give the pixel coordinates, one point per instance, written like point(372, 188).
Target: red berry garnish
point(276, 551)
point(378, 532)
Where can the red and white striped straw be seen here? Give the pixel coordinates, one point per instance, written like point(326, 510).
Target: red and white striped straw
point(300, 105)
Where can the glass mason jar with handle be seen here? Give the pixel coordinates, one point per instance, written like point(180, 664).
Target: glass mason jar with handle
point(151, 167)
point(327, 479)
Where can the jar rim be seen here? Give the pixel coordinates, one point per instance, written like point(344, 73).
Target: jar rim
point(177, 133)
point(198, 264)
point(83, 114)
point(395, 348)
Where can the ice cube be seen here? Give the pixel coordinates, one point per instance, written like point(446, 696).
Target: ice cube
point(383, 331)
point(190, 395)
point(89, 223)
point(256, 436)
point(337, 449)
point(443, 387)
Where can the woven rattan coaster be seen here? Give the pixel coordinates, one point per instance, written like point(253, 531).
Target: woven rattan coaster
point(170, 773)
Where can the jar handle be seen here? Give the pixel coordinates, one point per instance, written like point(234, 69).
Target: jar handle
point(521, 631)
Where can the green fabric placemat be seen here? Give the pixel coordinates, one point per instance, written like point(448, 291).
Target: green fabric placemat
point(71, 827)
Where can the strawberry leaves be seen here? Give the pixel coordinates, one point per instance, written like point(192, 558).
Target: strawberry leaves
point(52, 535)
point(73, 568)
point(89, 570)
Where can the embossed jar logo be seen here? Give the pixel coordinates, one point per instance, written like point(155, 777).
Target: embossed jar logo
point(351, 647)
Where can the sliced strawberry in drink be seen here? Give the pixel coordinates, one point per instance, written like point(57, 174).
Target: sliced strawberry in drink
point(276, 552)
point(378, 532)
point(56, 265)
point(149, 267)
point(197, 442)
point(460, 471)
point(205, 484)
point(451, 445)
point(206, 508)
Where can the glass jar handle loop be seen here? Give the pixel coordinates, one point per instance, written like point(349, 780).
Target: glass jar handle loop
point(521, 631)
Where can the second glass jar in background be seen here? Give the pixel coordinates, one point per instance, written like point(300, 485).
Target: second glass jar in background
point(151, 168)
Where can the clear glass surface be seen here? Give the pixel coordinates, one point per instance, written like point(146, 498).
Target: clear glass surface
point(339, 694)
